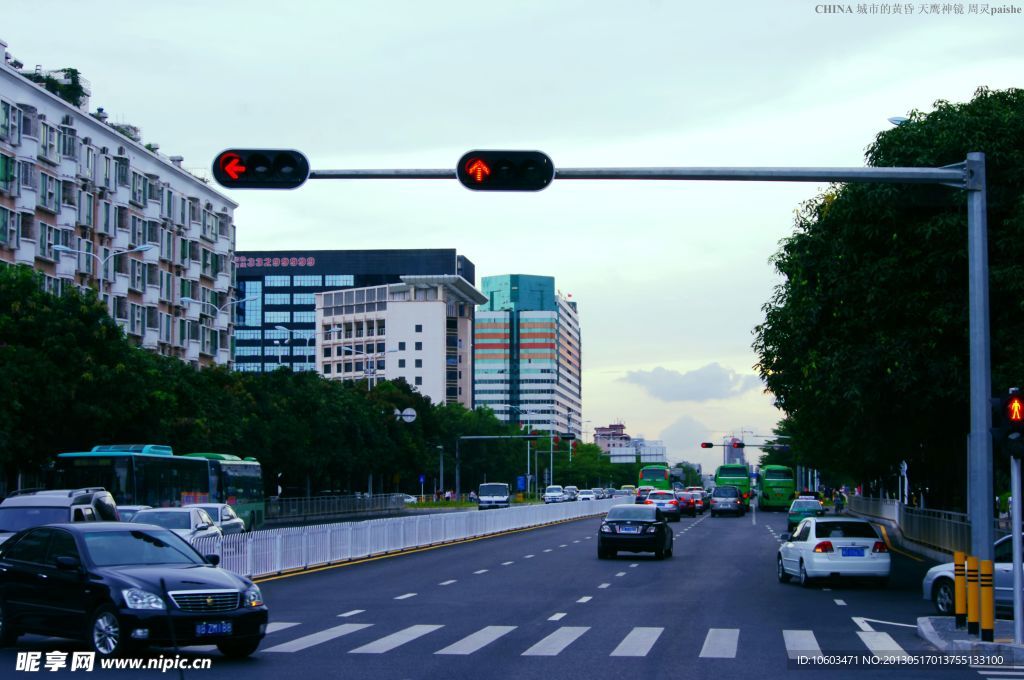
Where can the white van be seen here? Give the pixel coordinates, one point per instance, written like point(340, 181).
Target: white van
point(554, 494)
point(493, 495)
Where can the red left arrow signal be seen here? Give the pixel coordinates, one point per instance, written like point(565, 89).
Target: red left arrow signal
point(231, 163)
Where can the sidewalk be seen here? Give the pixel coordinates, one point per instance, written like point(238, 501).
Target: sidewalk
point(941, 632)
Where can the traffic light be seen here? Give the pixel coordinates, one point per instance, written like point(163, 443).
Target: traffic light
point(738, 445)
point(569, 436)
point(260, 169)
point(505, 170)
point(706, 445)
point(1013, 420)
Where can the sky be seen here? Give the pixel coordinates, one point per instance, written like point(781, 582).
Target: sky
point(670, 277)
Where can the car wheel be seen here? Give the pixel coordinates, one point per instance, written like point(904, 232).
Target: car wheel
point(602, 554)
point(944, 597)
point(783, 574)
point(805, 580)
point(714, 514)
point(659, 554)
point(105, 636)
point(8, 635)
point(238, 649)
point(668, 553)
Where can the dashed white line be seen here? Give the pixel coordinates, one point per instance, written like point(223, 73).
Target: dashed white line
point(406, 596)
point(557, 617)
point(621, 573)
point(301, 643)
point(351, 613)
point(480, 571)
point(447, 583)
point(603, 586)
point(526, 557)
point(505, 564)
point(634, 565)
point(841, 603)
point(585, 598)
point(564, 545)
point(547, 549)
point(575, 541)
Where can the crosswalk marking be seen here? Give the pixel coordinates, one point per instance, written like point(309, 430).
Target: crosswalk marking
point(553, 644)
point(406, 596)
point(389, 642)
point(276, 626)
point(720, 643)
point(306, 641)
point(801, 643)
point(481, 638)
point(638, 642)
point(351, 613)
point(881, 644)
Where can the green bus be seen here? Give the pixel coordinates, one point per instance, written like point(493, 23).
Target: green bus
point(150, 474)
point(738, 475)
point(655, 475)
point(778, 487)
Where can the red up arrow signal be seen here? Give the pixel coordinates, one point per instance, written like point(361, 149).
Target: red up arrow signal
point(231, 164)
point(477, 168)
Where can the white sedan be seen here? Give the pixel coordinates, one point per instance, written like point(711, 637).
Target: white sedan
point(822, 547)
point(190, 523)
point(587, 495)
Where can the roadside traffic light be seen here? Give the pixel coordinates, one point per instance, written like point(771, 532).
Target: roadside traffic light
point(569, 436)
point(260, 169)
point(505, 170)
point(706, 445)
point(1013, 420)
point(738, 445)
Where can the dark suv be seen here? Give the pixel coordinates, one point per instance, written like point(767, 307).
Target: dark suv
point(35, 507)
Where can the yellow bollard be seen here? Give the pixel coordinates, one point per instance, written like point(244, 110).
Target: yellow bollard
point(988, 602)
point(972, 595)
point(960, 588)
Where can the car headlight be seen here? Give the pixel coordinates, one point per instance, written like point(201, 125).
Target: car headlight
point(136, 598)
point(253, 597)
point(606, 529)
point(651, 529)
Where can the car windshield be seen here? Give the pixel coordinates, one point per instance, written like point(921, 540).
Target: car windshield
point(212, 510)
point(726, 492)
point(661, 496)
point(18, 518)
point(113, 548)
point(630, 512)
point(163, 518)
point(553, 489)
point(799, 506)
point(844, 530)
point(493, 490)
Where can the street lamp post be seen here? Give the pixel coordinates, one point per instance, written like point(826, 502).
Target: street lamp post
point(440, 464)
point(367, 371)
point(278, 343)
point(291, 334)
point(103, 261)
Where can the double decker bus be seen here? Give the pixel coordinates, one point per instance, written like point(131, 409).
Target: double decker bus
point(738, 475)
point(655, 475)
point(778, 487)
point(150, 474)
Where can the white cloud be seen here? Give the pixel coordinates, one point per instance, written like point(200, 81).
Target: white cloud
point(712, 381)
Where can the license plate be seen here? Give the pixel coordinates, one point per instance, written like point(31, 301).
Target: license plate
point(215, 628)
point(853, 552)
point(629, 530)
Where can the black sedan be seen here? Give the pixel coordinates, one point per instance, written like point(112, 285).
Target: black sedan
point(119, 585)
point(634, 528)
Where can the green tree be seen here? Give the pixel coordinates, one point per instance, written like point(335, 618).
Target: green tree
point(865, 342)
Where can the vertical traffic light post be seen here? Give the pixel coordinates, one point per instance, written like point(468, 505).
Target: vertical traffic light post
point(505, 170)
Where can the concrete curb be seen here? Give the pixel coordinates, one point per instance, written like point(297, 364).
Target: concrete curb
point(926, 631)
point(939, 632)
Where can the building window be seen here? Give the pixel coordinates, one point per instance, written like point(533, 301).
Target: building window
point(339, 280)
point(304, 299)
point(401, 363)
point(401, 347)
point(419, 363)
point(419, 328)
point(419, 346)
point(305, 317)
point(327, 369)
point(277, 317)
point(327, 351)
point(277, 299)
point(277, 281)
point(419, 380)
point(308, 280)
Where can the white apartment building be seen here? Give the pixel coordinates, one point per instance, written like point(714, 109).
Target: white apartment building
point(87, 205)
point(420, 330)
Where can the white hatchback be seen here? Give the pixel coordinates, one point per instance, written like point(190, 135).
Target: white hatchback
point(822, 547)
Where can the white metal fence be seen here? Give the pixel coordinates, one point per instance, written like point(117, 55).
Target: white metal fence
point(940, 529)
point(273, 551)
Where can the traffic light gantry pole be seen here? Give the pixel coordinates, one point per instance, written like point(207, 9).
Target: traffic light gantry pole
point(507, 170)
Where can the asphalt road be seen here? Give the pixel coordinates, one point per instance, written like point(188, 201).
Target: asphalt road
point(539, 603)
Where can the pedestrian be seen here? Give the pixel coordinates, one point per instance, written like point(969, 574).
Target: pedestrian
point(840, 502)
point(447, 495)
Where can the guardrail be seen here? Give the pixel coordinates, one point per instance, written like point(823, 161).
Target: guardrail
point(939, 529)
point(274, 551)
point(283, 509)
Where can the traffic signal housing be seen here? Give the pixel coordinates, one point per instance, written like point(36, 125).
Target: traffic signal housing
point(706, 445)
point(260, 168)
point(505, 170)
point(738, 445)
point(1013, 423)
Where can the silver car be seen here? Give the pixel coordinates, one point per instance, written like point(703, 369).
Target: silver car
point(938, 582)
point(223, 516)
point(189, 523)
point(554, 494)
point(726, 499)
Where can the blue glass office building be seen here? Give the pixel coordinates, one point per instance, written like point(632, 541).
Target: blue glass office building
point(275, 326)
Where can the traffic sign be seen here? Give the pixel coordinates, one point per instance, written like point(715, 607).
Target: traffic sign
point(260, 168)
point(505, 170)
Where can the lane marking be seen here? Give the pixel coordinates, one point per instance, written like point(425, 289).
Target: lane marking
point(557, 617)
point(547, 549)
point(298, 644)
point(621, 573)
point(389, 642)
point(557, 641)
point(575, 541)
point(587, 538)
point(720, 643)
point(480, 571)
point(801, 643)
point(526, 557)
point(889, 545)
point(634, 565)
point(862, 623)
point(406, 596)
point(826, 590)
point(447, 583)
point(351, 613)
point(603, 586)
point(841, 603)
point(638, 642)
point(563, 546)
point(505, 564)
point(477, 640)
point(881, 644)
point(585, 598)
point(275, 626)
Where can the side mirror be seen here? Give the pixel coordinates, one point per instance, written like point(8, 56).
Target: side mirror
point(67, 563)
point(212, 560)
point(785, 536)
point(202, 527)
